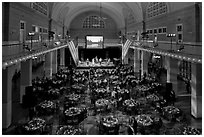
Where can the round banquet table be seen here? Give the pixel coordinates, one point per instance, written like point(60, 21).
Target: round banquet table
point(101, 105)
point(109, 125)
point(46, 107)
point(73, 115)
point(144, 122)
point(34, 127)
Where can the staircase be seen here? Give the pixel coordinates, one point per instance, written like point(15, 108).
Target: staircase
point(74, 52)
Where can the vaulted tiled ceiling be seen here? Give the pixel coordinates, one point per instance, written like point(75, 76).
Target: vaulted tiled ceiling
point(118, 11)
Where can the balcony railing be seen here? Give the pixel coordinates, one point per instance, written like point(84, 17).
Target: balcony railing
point(190, 51)
point(13, 50)
point(188, 47)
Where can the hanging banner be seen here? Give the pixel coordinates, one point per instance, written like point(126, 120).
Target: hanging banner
point(73, 51)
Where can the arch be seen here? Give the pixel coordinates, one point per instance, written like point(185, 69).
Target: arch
point(15, 94)
point(118, 18)
point(113, 9)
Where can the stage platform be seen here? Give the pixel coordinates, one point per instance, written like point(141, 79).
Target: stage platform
point(103, 65)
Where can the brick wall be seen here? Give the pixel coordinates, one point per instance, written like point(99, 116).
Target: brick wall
point(185, 16)
point(21, 11)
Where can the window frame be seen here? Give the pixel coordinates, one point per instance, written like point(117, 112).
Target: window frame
point(156, 30)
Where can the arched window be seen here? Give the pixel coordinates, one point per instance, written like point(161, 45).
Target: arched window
point(156, 8)
point(93, 22)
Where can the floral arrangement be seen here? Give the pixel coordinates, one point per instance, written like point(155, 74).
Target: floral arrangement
point(153, 98)
point(101, 90)
point(72, 111)
point(35, 124)
point(109, 121)
point(102, 102)
point(73, 97)
point(47, 104)
point(130, 103)
point(171, 110)
point(191, 131)
point(144, 120)
point(68, 130)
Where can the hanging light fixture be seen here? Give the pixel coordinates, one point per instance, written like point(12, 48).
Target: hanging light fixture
point(100, 13)
point(99, 18)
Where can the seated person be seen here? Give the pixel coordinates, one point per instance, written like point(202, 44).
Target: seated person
point(96, 59)
point(100, 60)
point(93, 61)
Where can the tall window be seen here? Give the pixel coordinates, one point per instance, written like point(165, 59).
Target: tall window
point(40, 7)
point(179, 30)
point(156, 8)
point(93, 22)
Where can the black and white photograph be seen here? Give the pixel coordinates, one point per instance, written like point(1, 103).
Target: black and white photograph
point(101, 68)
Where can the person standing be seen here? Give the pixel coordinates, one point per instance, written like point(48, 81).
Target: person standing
point(31, 113)
point(100, 61)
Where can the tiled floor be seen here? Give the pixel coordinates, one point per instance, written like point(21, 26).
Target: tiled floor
point(183, 102)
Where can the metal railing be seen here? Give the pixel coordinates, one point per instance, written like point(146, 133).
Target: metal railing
point(13, 50)
point(189, 48)
point(190, 51)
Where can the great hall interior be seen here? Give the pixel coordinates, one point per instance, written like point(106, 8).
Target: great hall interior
point(101, 68)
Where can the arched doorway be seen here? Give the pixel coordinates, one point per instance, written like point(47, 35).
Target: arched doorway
point(15, 87)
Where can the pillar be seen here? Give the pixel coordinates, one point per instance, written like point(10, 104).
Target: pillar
point(54, 61)
point(62, 57)
point(144, 59)
point(107, 54)
point(26, 76)
point(6, 97)
point(48, 64)
point(82, 56)
point(196, 90)
point(136, 61)
point(172, 71)
point(5, 20)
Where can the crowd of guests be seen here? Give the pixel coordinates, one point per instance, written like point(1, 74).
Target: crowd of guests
point(110, 91)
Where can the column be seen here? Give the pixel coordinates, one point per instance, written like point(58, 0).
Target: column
point(6, 97)
point(136, 61)
point(82, 56)
point(26, 76)
point(5, 20)
point(48, 64)
point(62, 57)
point(107, 54)
point(144, 58)
point(172, 71)
point(54, 62)
point(196, 90)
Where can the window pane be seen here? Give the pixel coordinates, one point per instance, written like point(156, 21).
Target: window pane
point(40, 7)
point(156, 8)
point(93, 22)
